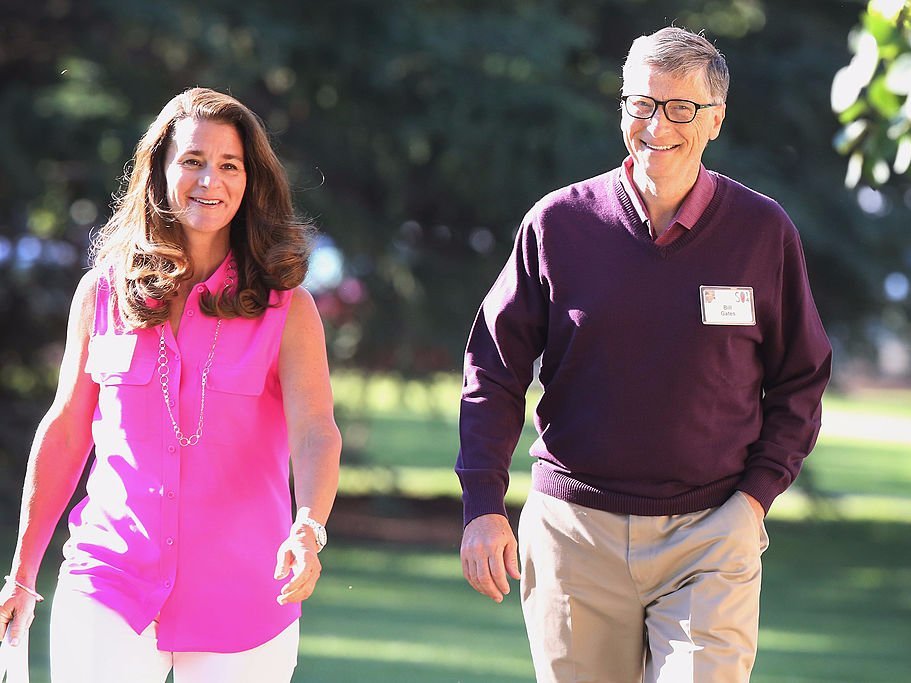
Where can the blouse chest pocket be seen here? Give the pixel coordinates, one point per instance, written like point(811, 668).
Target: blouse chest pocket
point(246, 380)
point(118, 359)
point(234, 402)
point(126, 390)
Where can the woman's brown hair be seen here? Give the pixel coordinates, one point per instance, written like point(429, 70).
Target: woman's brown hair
point(142, 247)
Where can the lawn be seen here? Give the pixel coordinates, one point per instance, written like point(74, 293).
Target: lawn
point(836, 605)
point(836, 608)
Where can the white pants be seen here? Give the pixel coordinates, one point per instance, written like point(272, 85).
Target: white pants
point(91, 643)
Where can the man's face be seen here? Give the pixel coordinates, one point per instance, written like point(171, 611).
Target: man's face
point(661, 149)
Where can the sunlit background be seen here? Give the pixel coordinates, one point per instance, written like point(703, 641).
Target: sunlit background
point(416, 134)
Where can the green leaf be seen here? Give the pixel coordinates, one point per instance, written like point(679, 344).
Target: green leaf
point(847, 138)
point(887, 9)
point(856, 110)
point(898, 75)
point(855, 170)
point(846, 88)
point(902, 162)
point(879, 27)
point(886, 102)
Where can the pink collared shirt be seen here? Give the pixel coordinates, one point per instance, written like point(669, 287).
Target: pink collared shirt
point(187, 535)
point(692, 208)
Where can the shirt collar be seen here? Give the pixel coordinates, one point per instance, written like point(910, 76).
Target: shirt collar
point(694, 204)
point(219, 279)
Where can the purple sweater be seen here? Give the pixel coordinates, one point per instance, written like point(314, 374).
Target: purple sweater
point(645, 410)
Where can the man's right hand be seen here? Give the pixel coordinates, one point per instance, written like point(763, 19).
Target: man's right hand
point(489, 555)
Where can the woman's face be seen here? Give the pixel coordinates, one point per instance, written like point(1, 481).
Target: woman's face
point(205, 174)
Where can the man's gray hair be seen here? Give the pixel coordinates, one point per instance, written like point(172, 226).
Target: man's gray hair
point(677, 51)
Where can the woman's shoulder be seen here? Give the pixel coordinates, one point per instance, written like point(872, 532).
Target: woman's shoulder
point(301, 302)
point(82, 308)
point(87, 288)
point(302, 311)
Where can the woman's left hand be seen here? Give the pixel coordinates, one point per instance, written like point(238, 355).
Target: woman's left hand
point(297, 554)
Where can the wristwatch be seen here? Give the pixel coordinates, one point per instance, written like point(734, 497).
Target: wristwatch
point(319, 531)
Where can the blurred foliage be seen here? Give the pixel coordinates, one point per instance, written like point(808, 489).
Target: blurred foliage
point(417, 133)
point(870, 96)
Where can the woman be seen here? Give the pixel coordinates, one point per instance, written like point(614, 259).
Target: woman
point(194, 364)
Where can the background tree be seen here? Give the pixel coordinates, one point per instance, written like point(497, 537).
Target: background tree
point(417, 133)
point(870, 96)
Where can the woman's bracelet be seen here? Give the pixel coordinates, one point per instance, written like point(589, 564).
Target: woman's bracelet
point(31, 591)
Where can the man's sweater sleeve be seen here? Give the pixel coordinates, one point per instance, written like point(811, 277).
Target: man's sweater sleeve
point(507, 337)
point(797, 359)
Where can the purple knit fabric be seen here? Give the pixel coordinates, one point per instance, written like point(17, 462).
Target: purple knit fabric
point(645, 409)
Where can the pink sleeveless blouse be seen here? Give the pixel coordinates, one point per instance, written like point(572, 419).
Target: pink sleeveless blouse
point(187, 535)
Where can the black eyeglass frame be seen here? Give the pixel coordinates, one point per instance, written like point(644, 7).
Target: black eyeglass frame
point(663, 105)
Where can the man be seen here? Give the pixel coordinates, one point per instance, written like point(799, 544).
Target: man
point(683, 363)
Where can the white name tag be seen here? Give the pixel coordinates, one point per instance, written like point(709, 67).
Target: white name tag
point(111, 353)
point(727, 305)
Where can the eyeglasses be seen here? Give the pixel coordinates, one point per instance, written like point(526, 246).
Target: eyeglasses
point(676, 111)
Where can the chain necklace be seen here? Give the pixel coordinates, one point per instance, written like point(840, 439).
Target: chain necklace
point(164, 370)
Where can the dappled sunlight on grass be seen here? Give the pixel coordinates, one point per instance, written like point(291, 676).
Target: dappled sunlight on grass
point(381, 394)
point(854, 466)
point(419, 482)
point(455, 657)
point(836, 601)
point(880, 402)
point(796, 641)
point(384, 613)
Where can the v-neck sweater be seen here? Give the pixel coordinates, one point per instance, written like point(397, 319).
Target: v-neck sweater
point(645, 409)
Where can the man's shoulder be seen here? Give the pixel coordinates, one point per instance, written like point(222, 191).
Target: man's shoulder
point(738, 193)
point(591, 195)
point(753, 205)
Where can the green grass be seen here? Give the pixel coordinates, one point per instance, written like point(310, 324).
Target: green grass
point(853, 466)
point(836, 604)
point(836, 608)
point(389, 614)
point(892, 403)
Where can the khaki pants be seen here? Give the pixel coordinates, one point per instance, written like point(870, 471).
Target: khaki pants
point(614, 598)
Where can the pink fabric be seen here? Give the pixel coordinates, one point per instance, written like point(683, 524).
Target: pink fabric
point(692, 208)
point(187, 535)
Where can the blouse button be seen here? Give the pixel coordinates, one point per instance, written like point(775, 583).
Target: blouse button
point(172, 449)
point(170, 541)
point(167, 584)
point(190, 313)
point(201, 288)
point(171, 495)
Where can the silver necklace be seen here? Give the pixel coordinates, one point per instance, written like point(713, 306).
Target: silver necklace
point(164, 370)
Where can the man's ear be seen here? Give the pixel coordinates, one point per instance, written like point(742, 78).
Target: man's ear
point(717, 119)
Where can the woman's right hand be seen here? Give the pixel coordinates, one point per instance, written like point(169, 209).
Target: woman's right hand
point(17, 610)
